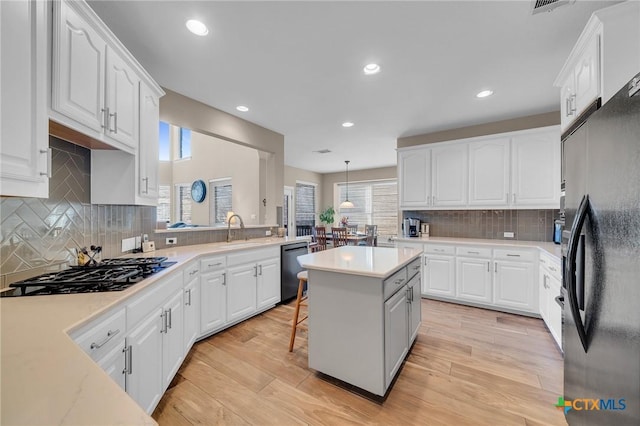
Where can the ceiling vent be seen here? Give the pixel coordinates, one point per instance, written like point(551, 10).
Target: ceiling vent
point(539, 6)
point(323, 151)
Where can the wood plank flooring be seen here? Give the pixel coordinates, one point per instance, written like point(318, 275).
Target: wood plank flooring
point(468, 366)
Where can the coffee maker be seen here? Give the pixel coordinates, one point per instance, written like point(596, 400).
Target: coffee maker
point(411, 227)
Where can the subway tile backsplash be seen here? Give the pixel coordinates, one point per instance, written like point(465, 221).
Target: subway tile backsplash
point(40, 235)
point(527, 225)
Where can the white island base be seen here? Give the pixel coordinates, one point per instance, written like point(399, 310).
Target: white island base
point(364, 312)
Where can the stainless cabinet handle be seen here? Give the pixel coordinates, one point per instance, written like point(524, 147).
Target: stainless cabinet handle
point(398, 282)
point(146, 183)
point(163, 317)
point(255, 271)
point(224, 278)
point(110, 335)
point(473, 252)
point(128, 359)
point(49, 159)
point(195, 271)
point(425, 261)
point(189, 299)
point(438, 250)
point(407, 294)
point(488, 266)
point(105, 115)
point(567, 107)
point(211, 265)
point(260, 266)
point(169, 315)
point(513, 255)
point(572, 104)
point(115, 123)
point(415, 268)
point(552, 268)
point(495, 267)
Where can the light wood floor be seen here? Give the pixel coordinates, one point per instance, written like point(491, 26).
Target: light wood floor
point(468, 367)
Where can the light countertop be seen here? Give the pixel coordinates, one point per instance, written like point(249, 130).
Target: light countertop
point(377, 262)
point(550, 248)
point(47, 378)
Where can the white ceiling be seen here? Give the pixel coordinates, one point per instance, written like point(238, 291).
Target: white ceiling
point(298, 65)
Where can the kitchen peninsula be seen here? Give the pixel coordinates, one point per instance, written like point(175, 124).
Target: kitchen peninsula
point(364, 312)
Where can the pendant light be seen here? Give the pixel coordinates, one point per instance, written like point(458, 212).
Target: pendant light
point(346, 204)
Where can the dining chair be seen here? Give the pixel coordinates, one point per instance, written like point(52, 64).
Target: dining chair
point(321, 238)
point(353, 229)
point(371, 231)
point(339, 236)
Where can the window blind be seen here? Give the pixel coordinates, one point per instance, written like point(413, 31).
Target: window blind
point(375, 203)
point(305, 204)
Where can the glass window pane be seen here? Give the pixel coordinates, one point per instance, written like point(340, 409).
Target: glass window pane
point(165, 142)
point(183, 195)
point(375, 203)
point(164, 203)
point(185, 143)
point(305, 205)
point(221, 200)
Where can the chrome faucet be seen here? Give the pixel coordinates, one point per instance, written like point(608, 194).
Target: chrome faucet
point(229, 239)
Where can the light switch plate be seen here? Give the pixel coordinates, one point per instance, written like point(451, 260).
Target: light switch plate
point(509, 234)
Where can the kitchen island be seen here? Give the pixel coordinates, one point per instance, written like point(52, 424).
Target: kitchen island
point(364, 312)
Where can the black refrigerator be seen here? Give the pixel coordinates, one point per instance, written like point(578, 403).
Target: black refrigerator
point(601, 250)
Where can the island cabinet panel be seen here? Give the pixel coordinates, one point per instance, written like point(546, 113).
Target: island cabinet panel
point(396, 330)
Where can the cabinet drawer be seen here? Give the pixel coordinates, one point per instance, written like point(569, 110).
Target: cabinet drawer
point(438, 249)
point(394, 282)
point(212, 263)
point(191, 271)
point(249, 256)
point(102, 334)
point(473, 251)
point(517, 255)
point(414, 267)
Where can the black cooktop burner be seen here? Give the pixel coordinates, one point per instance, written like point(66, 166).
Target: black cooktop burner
point(109, 275)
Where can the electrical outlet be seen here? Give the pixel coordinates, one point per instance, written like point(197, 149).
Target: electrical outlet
point(172, 240)
point(267, 233)
point(509, 234)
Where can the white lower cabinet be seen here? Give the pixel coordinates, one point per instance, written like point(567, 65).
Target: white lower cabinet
point(213, 301)
point(241, 291)
point(396, 331)
point(514, 285)
point(144, 361)
point(415, 307)
point(473, 279)
point(114, 364)
point(439, 275)
point(550, 283)
point(268, 284)
point(172, 338)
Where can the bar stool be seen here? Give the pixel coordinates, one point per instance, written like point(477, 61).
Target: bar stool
point(303, 277)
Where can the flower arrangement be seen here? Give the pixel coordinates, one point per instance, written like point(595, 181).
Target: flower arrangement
point(344, 220)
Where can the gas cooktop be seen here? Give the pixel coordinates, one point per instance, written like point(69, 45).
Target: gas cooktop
point(108, 275)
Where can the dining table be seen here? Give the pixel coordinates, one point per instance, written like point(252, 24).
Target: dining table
point(352, 238)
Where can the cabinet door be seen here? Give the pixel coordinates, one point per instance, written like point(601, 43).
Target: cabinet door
point(173, 338)
point(123, 88)
point(567, 102)
point(144, 380)
point(149, 144)
point(24, 145)
point(544, 293)
point(450, 171)
point(415, 308)
point(414, 171)
point(514, 285)
point(213, 301)
point(535, 180)
point(79, 64)
point(191, 312)
point(241, 291)
point(587, 75)
point(396, 333)
point(268, 282)
point(114, 364)
point(473, 279)
point(489, 172)
point(554, 310)
point(439, 275)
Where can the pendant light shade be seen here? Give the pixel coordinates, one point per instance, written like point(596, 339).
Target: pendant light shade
point(346, 204)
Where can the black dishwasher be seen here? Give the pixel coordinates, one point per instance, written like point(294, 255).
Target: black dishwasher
point(289, 269)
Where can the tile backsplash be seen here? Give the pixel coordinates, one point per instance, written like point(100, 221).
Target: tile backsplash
point(527, 225)
point(38, 235)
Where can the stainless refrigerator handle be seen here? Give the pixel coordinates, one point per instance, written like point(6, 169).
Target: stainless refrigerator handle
point(575, 241)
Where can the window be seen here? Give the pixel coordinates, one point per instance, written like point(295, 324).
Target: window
point(164, 203)
point(185, 143)
point(221, 200)
point(165, 142)
point(183, 203)
point(305, 206)
point(375, 203)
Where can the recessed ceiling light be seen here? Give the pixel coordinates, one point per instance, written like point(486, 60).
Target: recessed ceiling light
point(347, 124)
point(242, 108)
point(371, 69)
point(197, 27)
point(484, 94)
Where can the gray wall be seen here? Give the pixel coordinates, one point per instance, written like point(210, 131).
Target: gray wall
point(330, 179)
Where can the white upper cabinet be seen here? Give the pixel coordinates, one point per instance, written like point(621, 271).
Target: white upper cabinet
point(489, 172)
point(605, 57)
point(450, 171)
point(24, 143)
point(535, 170)
point(79, 67)
point(148, 149)
point(96, 82)
point(415, 177)
point(514, 170)
point(122, 101)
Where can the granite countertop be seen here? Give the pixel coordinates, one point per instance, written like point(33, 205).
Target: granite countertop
point(550, 248)
point(378, 262)
point(47, 379)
